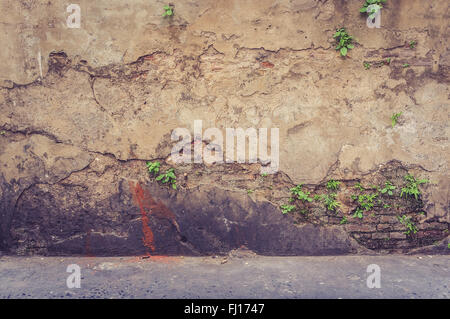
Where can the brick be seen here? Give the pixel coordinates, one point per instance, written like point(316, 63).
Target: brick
point(397, 235)
point(380, 235)
point(384, 227)
point(360, 228)
point(439, 226)
point(388, 219)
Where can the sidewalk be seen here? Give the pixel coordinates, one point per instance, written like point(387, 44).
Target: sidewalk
point(241, 276)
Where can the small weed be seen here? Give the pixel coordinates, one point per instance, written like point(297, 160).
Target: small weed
point(448, 245)
point(412, 186)
point(264, 175)
point(2, 132)
point(405, 65)
point(304, 212)
point(388, 188)
point(300, 194)
point(333, 185)
point(358, 213)
point(250, 191)
point(365, 203)
point(372, 12)
point(358, 186)
point(394, 118)
point(168, 11)
point(412, 44)
point(388, 61)
point(343, 220)
point(366, 65)
point(168, 177)
point(344, 41)
point(330, 201)
point(386, 206)
point(410, 226)
point(153, 168)
point(287, 208)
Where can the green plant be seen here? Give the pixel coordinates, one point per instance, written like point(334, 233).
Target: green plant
point(330, 201)
point(405, 65)
point(333, 185)
point(365, 203)
point(412, 44)
point(344, 41)
point(304, 212)
point(410, 226)
point(412, 186)
point(287, 208)
point(358, 213)
point(168, 177)
point(386, 206)
point(264, 175)
point(358, 186)
point(168, 11)
point(249, 191)
point(366, 65)
point(372, 12)
point(2, 132)
point(388, 61)
point(343, 220)
point(153, 168)
point(300, 194)
point(394, 118)
point(388, 188)
point(448, 245)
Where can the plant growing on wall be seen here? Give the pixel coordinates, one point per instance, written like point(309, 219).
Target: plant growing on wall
point(412, 186)
point(388, 188)
point(410, 226)
point(373, 11)
point(300, 194)
point(285, 209)
point(333, 185)
point(394, 118)
point(344, 41)
point(168, 10)
point(330, 202)
point(365, 203)
point(153, 168)
point(168, 177)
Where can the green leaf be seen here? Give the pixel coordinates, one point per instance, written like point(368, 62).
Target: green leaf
point(344, 51)
point(350, 46)
point(362, 10)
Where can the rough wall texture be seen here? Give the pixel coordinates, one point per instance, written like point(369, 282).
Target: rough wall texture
point(75, 138)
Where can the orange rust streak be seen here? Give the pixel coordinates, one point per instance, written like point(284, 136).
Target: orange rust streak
point(139, 196)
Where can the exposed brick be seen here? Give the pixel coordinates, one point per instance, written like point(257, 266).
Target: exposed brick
point(380, 235)
point(439, 226)
point(397, 235)
point(388, 219)
point(360, 228)
point(385, 226)
point(363, 236)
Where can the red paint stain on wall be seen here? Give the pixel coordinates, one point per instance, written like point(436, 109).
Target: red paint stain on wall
point(139, 197)
point(267, 64)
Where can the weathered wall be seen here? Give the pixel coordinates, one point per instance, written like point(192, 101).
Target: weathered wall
point(112, 91)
